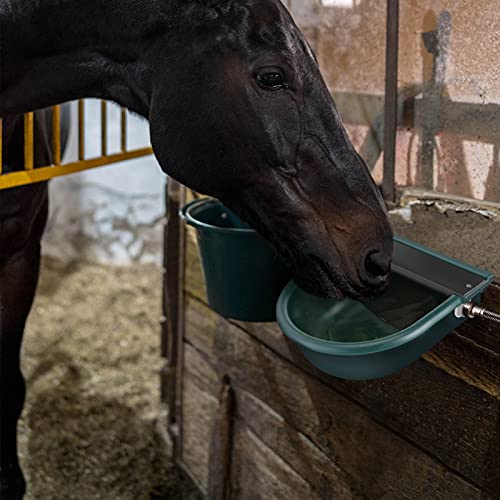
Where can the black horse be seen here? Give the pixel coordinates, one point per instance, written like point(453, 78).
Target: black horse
point(238, 110)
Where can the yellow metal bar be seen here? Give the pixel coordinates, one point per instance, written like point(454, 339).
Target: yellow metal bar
point(104, 128)
point(24, 177)
point(81, 129)
point(1, 145)
point(124, 130)
point(56, 134)
point(28, 141)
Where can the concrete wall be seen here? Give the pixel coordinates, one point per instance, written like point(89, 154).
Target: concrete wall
point(450, 135)
point(110, 214)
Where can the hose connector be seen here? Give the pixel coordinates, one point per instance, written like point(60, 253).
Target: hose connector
point(471, 310)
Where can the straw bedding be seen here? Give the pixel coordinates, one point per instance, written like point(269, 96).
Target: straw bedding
point(92, 426)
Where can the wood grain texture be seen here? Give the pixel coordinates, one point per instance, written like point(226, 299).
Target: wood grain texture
point(260, 474)
point(378, 462)
point(257, 468)
point(296, 449)
point(195, 281)
point(221, 443)
point(454, 421)
point(173, 312)
point(447, 403)
point(199, 405)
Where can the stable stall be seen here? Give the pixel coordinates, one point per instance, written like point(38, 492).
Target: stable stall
point(250, 416)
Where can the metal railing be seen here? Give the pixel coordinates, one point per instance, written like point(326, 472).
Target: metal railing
point(31, 174)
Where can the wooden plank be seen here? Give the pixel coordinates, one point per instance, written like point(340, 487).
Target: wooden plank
point(380, 463)
point(457, 355)
point(454, 388)
point(450, 419)
point(199, 406)
point(325, 477)
point(482, 371)
point(259, 474)
point(221, 443)
point(195, 282)
point(173, 311)
point(290, 445)
point(466, 360)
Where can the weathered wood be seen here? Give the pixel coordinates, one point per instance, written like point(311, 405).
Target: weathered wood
point(219, 477)
point(173, 312)
point(195, 282)
point(481, 369)
point(261, 475)
point(380, 463)
point(199, 410)
point(299, 452)
point(446, 415)
point(456, 355)
point(452, 420)
point(296, 450)
point(294, 447)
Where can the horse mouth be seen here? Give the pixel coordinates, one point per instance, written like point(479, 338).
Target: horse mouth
point(312, 272)
point(315, 277)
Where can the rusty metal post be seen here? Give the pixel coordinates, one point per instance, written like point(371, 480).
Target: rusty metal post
point(123, 129)
point(430, 118)
point(29, 158)
point(1, 145)
point(391, 100)
point(56, 134)
point(173, 312)
point(81, 129)
point(104, 128)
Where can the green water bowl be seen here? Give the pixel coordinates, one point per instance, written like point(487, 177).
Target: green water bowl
point(361, 341)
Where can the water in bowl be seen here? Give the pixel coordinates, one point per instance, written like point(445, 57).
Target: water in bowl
point(347, 320)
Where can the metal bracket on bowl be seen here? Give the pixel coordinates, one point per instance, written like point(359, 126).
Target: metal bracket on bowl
point(471, 310)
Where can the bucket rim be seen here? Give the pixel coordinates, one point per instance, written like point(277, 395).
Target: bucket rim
point(364, 348)
point(185, 213)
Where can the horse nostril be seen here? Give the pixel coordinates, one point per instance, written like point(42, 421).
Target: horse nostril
point(378, 263)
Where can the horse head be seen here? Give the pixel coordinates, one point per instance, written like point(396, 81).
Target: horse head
point(243, 114)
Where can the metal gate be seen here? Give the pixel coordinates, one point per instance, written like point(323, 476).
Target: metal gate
point(171, 322)
point(29, 174)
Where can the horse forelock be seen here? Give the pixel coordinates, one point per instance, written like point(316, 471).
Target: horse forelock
point(242, 26)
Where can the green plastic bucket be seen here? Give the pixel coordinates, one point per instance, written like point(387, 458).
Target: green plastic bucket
point(360, 341)
point(243, 274)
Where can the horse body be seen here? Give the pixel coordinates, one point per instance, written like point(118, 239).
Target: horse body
point(238, 110)
point(23, 215)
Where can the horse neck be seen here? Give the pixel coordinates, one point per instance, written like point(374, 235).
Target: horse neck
point(54, 51)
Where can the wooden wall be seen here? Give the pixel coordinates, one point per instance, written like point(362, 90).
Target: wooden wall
point(259, 422)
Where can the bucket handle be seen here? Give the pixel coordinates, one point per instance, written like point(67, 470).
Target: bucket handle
point(188, 206)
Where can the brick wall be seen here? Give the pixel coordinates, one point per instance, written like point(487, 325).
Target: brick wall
point(449, 138)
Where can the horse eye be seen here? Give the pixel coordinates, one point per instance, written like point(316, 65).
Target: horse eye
point(271, 80)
